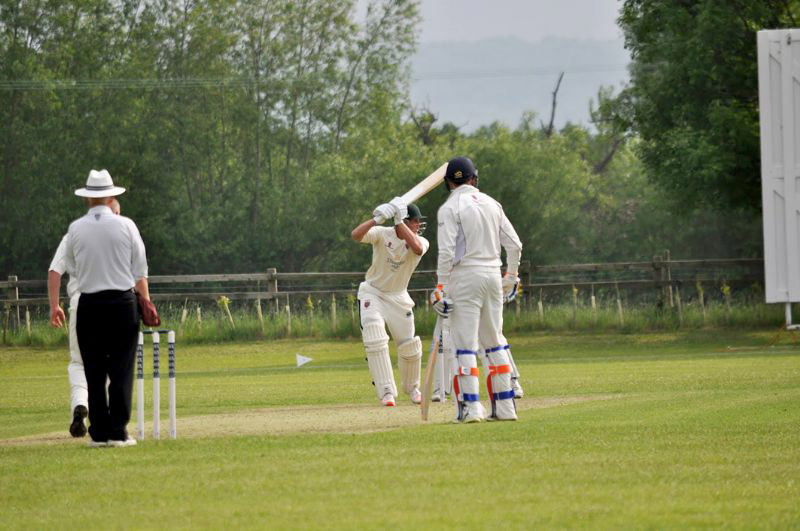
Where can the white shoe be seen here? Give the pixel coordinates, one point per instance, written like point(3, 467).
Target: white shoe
point(472, 417)
point(503, 410)
point(416, 396)
point(473, 412)
point(97, 444)
point(388, 400)
point(518, 393)
point(130, 441)
point(436, 396)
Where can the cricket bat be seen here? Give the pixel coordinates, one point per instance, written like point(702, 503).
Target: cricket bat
point(427, 385)
point(425, 185)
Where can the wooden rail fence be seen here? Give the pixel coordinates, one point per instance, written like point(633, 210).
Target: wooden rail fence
point(660, 274)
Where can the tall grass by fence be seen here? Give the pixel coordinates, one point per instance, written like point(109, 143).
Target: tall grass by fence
point(209, 323)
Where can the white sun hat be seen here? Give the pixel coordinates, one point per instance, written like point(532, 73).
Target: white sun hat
point(99, 184)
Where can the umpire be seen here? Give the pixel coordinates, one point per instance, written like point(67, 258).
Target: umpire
point(109, 261)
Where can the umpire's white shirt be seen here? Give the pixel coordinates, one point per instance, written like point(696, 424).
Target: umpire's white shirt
point(105, 251)
point(392, 261)
point(471, 229)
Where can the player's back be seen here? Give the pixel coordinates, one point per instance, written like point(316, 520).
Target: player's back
point(479, 218)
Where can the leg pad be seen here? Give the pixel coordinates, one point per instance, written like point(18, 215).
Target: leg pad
point(409, 360)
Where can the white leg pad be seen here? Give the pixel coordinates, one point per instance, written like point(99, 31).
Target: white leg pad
point(409, 360)
point(376, 343)
point(498, 382)
point(518, 392)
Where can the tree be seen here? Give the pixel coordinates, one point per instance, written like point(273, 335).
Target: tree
point(693, 98)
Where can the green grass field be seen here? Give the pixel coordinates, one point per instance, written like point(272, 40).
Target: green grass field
point(661, 430)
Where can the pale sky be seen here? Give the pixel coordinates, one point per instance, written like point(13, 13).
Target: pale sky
point(516, 73)
point(531, 20)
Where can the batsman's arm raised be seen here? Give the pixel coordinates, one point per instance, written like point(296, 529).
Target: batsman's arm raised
point(411, 239)
point(362, 230)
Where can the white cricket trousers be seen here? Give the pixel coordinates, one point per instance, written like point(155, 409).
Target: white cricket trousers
point(79, 391)
point(395, 310)
point(477, 318)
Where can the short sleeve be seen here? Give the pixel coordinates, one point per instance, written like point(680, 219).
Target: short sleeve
point(372, 236)
point(59, 263)
point(425, 244)
point(138, 254)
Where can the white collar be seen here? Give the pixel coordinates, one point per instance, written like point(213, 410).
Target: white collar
point(100, 209)
point(463, 187)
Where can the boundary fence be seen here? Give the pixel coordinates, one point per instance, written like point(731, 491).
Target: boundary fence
point(657, 281)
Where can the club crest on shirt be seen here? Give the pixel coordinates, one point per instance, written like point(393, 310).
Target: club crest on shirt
point(97, 217)
point(366, 304)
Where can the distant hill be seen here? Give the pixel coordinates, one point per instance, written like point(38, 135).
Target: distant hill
point(476, 83)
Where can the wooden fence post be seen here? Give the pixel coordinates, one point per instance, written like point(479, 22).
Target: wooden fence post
point(669, 278)
point(541, 308)
point(525, 269)
point(619, 307)
point(272, 288)
point(678, 301)
point(574, 305)
point(259, 314)
point(594, 307)
point(333, 311)
point(13, 295)
point(288, 317)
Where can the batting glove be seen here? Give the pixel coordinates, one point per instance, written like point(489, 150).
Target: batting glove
point(510, 285)
point(402, 209)
point(383, 212)
point(441, 302)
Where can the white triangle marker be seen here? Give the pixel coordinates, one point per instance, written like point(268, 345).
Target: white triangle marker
point(302, 360)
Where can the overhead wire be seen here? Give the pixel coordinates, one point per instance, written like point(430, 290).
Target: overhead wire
point(189, 83)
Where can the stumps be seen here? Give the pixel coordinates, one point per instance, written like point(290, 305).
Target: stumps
point(156, 384)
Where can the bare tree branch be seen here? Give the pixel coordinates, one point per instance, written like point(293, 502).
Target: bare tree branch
point(601, 166)
point(549, 130)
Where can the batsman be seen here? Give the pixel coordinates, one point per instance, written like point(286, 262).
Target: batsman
point(472, 228)
point(383, 298)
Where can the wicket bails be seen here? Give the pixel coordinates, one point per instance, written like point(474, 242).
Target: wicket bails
point(156, 384)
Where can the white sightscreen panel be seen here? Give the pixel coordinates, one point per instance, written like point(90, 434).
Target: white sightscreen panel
point(779, 105)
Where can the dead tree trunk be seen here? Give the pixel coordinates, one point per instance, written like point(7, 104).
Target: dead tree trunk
point(549, 131)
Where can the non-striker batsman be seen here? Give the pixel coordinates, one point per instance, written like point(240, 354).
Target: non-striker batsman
point(383, 299)
point(472, 228)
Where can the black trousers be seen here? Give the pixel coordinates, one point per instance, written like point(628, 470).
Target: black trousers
point(107, 327)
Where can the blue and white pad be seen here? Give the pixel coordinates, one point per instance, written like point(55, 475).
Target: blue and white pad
point(465, 387)
point(501, 393)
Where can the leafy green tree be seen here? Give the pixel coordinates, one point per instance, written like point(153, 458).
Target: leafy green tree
point(693, 99)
